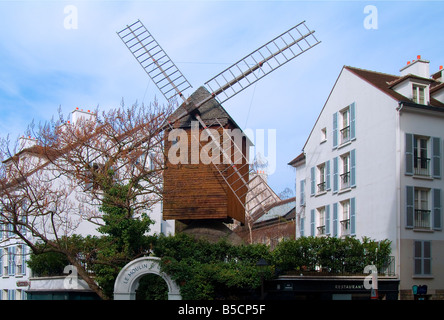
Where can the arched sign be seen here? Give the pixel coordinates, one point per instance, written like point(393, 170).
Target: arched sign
point(128, 279)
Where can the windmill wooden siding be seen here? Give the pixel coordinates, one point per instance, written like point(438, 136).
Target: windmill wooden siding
point(197, 191)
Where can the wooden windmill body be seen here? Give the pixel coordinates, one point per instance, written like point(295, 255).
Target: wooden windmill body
point(195, 189)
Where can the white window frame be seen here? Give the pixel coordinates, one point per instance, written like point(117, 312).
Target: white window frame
point(344, 129)
point(345, 172)
point(422, 216)
point(321, 187)
point(421, 156)
point(345, 221)
point(321, 230)
point(323, 135)
point(421, 258)
point(416, 93)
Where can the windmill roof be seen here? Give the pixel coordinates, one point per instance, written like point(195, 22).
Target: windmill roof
point(209, 111)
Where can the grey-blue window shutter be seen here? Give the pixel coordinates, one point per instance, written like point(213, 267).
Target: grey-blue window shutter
point(312, 222)
point(436, 157)
point(353, 168)
point(302, 193)
point(327, 220)
point(410, 206)
point(302, 227)
point(24, 252)
point(335, 174)
point(437, 216)
point(352, 121)
point(335, 130)
point(409, 154)
point(327, 169)
point(312, 181)
point(352, 216)
point(335, 219)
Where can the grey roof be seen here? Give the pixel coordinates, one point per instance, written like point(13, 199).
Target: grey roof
point(209, 111)
point(278, 211)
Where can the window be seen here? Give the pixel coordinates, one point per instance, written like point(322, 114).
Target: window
point(419, 94)
point(11, 261)
point(345, 175)
point(323, 135)
point(321, 221)
point(422, 213)
point(21, 259)
point(422, 258)
point(344, 171)
point(345, 221)
point(5, 262)
point(345, 129)
point(421, 161)
point(423, 156)
point(321, 178)
point(423, 208)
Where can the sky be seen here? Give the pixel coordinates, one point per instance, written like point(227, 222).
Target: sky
point(67, 54)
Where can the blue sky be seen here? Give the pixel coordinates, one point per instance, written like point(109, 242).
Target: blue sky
point(44, 65)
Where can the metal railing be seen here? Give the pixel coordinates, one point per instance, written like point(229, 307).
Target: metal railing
point(321, 187)
point(422, 219)
point(321, 230)
point(345, 134)
point(345, 180)
point(345, 227)
point(422, 166)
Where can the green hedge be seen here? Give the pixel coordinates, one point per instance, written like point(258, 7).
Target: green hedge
point(333, 255)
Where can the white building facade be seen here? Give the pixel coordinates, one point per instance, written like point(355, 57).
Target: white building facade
point(15, 275)
point(372, 166)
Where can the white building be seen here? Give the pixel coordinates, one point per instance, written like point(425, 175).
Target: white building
point(373, 166)
point(14, 273)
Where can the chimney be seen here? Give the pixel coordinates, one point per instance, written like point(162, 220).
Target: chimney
point(439, 75)
point(78, 114)
point(417, 67)
point(26, 142)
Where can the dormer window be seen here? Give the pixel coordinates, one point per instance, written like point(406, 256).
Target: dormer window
point(419, 94)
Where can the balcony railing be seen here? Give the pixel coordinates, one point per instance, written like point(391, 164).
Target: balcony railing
point(422, 166)
point(321, 187)
point(345, 134)
point(345, 180)
point(321, 230)
point(345, 227)
point(422, 219)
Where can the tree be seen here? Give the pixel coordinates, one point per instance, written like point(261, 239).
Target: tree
point(77, 171)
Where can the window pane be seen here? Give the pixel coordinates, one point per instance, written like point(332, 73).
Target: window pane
point(418, 269)
point(427, 266)
point(427, 251)
point(418, 249)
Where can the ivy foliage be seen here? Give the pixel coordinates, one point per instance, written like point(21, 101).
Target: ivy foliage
point(207, 271)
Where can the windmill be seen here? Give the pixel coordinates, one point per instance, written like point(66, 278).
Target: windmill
point(230, 188)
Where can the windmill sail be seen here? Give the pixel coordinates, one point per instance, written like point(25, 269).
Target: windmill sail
point(262, 61)
point(156, 63)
